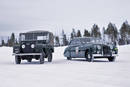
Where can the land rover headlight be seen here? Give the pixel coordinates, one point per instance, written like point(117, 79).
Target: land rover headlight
point(32, 46)
point(23, 46)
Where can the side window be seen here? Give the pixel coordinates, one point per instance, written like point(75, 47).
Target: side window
point(74, 42)
point(98, 47)
point(43, 37)
point(22, 37)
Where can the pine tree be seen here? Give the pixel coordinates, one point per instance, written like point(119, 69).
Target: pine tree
point(86, 33)
point(95, 31)
point(73, 33)
point(125, 32)
point(3, 42)
point(12, 40)
point(78, 34)
point(112, 32)
point(65, 42)
point(57, 40)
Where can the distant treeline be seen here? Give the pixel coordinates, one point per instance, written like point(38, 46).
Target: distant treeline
point(111, 33)
point(120, 36)
point(10, 42)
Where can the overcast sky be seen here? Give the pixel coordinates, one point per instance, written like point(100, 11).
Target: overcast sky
point(55, 15)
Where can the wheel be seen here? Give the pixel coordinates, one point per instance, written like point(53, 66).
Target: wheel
point(17, 60)
point(50, 57)
point(90, 57)
point(42, 58)
point(69, 58)
point(111, 59)
point(29, 60)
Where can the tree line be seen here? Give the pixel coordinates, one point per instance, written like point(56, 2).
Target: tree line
point(120, 36)
point(10, 42)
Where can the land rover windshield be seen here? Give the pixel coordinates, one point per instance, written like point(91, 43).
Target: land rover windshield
point(34, 37)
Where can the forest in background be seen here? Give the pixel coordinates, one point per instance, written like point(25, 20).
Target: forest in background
point(111, 33)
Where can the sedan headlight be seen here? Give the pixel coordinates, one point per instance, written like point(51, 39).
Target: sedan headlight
point(23, 46)
point(32, 46)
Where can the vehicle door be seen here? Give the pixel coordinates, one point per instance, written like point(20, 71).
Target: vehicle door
point(74, 49)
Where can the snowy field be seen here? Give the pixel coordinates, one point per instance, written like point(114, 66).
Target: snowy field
point(63, 73)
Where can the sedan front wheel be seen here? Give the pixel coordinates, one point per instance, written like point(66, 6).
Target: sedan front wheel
point(69, 58)
point(90, 57)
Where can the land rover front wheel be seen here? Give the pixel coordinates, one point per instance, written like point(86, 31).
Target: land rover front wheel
point(50, 57)
point(17, 60)
point(42, 56)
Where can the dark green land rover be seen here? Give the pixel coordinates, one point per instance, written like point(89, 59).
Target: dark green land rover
point(34, 45)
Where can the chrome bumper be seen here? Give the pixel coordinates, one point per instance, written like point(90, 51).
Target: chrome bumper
point(26, 54)
point(104, 55)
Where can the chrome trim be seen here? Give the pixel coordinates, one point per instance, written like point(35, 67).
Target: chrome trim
point(26, 54)
point(115, 55)
point(97, 55)
point(104, 55)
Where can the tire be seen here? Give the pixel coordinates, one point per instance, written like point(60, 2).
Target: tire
point(42, 58)
point(69, 58)
point(90, 57)
point(29, 60)
point(111, 59)
point(17, 60)
point(50, 57)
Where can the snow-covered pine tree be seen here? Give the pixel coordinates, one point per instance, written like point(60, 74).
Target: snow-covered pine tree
point(125, 32)
point(57, 41)
point(112, 32)
point(12, 40)
point(95, 31)
point(79, 34)
point(65, 41)
point(86, 33)
point(3, 42)
point(73, 34)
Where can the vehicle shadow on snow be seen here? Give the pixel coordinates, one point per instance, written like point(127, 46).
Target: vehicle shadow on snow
point(60, 61)
point(83, 60)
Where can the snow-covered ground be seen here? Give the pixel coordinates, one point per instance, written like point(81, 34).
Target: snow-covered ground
point(63, 73)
